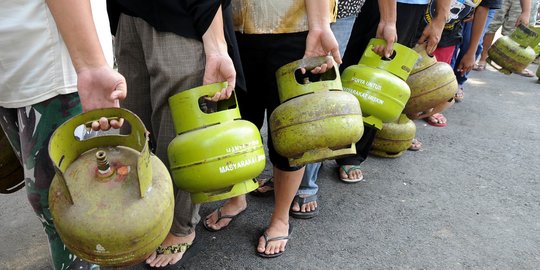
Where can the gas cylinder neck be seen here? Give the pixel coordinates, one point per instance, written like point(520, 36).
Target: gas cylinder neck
point(104, 168)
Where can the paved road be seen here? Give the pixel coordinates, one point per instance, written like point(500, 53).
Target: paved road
point(469, 200)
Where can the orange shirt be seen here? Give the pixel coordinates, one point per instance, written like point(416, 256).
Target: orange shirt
point(273, 16)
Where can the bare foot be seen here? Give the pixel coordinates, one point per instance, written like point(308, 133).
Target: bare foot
point(277, 229)
point(229, 210)
point(306, 207)
point(437, 120)
point(416, 145)
point(350, 173)
point(162, 260)
point(265, 185)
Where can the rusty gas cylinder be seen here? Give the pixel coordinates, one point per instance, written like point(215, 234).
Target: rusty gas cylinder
point(111, 199)
point(394, 138)
point(316, 120)
point(431, 82)
point(513, 53)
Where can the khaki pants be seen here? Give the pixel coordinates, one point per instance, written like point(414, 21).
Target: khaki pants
point(157, 65)
point(505, 17)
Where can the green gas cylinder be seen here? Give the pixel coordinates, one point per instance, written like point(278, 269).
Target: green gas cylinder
point(379, 82)
point(316, 120)
point(394, 138)
point(513, 53)
point(216, 155)
point(431, 83)
point(111, 199)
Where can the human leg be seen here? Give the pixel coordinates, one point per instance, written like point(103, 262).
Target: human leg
point(261, 56)
point(29, 130)
point(364, 28)
point(534, 12)
point(408, 21)
point(349, 166)
point(486, 44)
point(494, 25)
point(489, 18)
point(307, 193)
point(286, 184)
point(224, 215)
point(156, 66)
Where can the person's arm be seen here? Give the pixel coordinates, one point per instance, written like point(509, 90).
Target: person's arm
point(98, 84)
point(525, 12)
point(433, 31)
point(320, 40)
point(387, 27)
point(219, 65)
point(479, 21)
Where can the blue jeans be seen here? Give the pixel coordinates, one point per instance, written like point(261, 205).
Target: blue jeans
point(464, 46)
point(308, 186)
point(342, 31)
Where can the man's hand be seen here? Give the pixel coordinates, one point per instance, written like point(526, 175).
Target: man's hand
point(219, 65)
point(101, 87)
point(523, 19)
point(220, 68)
point(466, 64)
point(388, 32)
point(321, 42)
point(432, 34)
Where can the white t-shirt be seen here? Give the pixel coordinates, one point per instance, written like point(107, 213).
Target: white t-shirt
point(34, 62)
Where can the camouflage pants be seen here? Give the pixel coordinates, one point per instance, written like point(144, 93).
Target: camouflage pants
point(29, 130)
point(505, 17)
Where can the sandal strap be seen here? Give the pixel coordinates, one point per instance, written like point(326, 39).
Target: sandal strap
point(220, 216)
point(182, 247)
point(277, 238)
point(351, 167)
point(267, 182)
point(304, 200)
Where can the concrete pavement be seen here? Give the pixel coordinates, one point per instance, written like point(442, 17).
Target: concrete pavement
point(469, 200)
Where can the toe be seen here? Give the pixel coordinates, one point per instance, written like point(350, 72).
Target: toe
point(355, 174)
point(152, 257)
point(342, 174)
point(296, 207)
point(261, 245)
point(176, 259)
point(222, 224)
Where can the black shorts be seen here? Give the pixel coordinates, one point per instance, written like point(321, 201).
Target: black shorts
point(409, 17)
point(262, 55)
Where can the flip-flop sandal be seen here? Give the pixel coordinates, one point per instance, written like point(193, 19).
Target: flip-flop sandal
point(189, 249)
point(527, 73)
point(302, 201)
point(351, 167)
point(220, 217)
point(277, 238)
point(458, 97)
point(436, 116)
point(264, 183)
point(416, 145)
point(479, 67)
